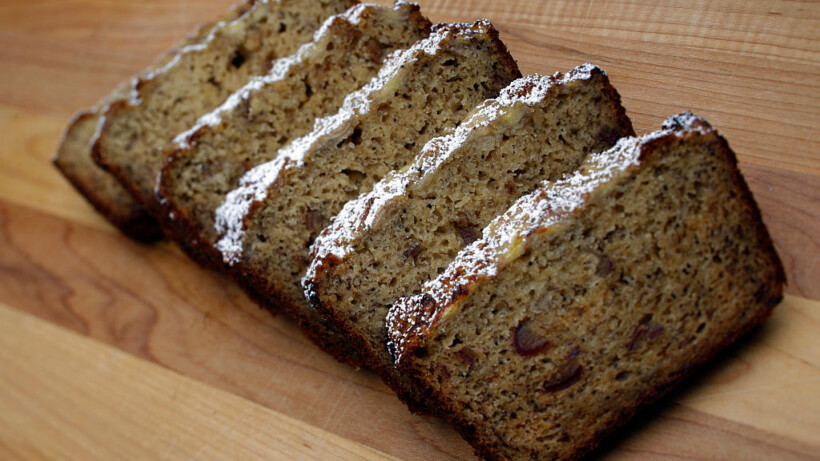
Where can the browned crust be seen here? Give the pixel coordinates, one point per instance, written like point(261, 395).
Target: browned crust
point(623, 120)
point(506, 59)
point(412, 398)
point(132, 220)
point(766, 299)
point(257, 286)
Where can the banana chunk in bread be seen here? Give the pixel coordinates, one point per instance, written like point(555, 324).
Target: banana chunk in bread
point(100, 188)
point(268, 223)
point(592, 296)
point(250, 127)
point(387, 243)
point(161, 104)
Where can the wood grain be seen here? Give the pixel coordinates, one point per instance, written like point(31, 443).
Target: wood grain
point(751, 67)
point(147, 410)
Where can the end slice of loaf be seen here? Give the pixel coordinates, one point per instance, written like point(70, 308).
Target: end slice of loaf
point(200, 76)
point(269, 223)
point(387, 243)
point(250, 127)
point(106, 194)
point(99, 187)
point(592, 296)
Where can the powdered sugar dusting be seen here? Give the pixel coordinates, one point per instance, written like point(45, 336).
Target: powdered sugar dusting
point(505, 237)
point(279, 71)
point(230, 215)
point(358, 216)
point(260, 8)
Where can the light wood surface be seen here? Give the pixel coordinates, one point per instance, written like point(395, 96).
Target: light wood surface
point(114, 350)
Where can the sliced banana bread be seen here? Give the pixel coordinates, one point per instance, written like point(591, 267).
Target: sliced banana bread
point(387, 243)
point(592, 296)
point(200, 76)
point(99, 187)
point(251, 126)
point(269, 222)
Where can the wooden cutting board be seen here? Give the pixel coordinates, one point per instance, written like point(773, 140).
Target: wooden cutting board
point(115, 350)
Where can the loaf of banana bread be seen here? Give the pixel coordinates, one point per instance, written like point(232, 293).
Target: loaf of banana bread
point(267, 224)
point(387, 243)
point(251, 126)
point(200, 76)
point(592, 296)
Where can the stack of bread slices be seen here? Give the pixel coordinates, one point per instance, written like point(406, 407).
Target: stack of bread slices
point(502, 250)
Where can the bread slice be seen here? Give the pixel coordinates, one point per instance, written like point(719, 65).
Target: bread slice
point(269, 223)
point(387, 243)
point(169, 100)
point(251, 126)
point(592, 296)
point(106, 194)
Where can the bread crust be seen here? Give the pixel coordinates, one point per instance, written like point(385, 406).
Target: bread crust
point(101, 190)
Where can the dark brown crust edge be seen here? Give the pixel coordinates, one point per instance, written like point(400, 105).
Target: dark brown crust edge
point(136, 223)
point(412, 399)
point(766, 302)
point(268, 297)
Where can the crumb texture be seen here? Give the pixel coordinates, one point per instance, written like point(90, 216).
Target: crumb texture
point(592, 296)
point(99, 187)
